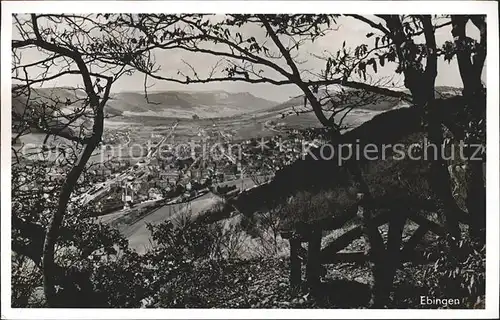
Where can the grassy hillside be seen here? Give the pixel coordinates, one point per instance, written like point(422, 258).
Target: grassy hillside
point(185, 104)
point(51, 101)
point(343, 98)
point(181, 104)
point(350, 97)
point(202, 104)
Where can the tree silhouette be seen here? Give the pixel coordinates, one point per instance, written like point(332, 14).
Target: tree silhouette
point(397, 44)
point(99, 50)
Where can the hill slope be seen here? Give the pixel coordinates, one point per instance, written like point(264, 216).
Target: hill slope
point(359, 100)
point(343, 97)
point(181, 104)
point(185, 104)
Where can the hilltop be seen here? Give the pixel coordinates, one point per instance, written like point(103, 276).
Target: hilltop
point(202, 104)
point(132, 106)
point(344, 96)
point(182, 104)
point(186, 104)
point(243, 113)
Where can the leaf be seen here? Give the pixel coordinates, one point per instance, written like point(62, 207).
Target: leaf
point(362, 66)
point(343, 44)
point(370, 34)
point(382, 60)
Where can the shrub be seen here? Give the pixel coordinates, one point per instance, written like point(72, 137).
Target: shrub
point(248, 224)
point(122, 282)
point(26, 278)
point(188, 260)
point(219, 211)
point(308, 207)
point(458, 274)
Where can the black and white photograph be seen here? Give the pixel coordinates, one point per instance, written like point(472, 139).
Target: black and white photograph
point(237, 159)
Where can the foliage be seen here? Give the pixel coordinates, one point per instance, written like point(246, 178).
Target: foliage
point(188, 260)
point(34, 197)
point(400, 176)
point(248, 223)
point(219, 211)
point(457, 275)
point(122, 282)
point(308, 207)
point(26, 277)
point(193, 264)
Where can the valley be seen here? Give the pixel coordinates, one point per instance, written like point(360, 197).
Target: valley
point(135, 127)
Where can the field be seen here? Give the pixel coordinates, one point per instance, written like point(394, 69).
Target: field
point(240, 127)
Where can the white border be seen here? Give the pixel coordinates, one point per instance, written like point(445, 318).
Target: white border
point(363, 7)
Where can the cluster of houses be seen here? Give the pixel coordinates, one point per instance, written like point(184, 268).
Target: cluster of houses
point(266, 156)
point(115, 137)
point(167, 178)
point(185, 177)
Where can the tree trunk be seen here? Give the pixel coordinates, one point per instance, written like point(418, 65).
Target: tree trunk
point(383, 286)
point(440, 182)
point(471, 66)
point(374, 243)
point(476, 201)
point(422, 86)
point(409, 247)
point(374, 249)
point(474, 176)
point(49, 265)
point(313, 260)
point(295, 264)
point(97, 105)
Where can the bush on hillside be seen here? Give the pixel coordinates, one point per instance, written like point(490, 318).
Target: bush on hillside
point(307, 207)
point(188, 260)
point(249, 224)
point(460, 274)
point(219, 211)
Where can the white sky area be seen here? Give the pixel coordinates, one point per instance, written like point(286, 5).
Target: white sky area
point(352, 31)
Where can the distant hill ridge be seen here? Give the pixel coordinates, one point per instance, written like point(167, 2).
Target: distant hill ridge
point(375, 102)
point(185, 104)
point(182, 104)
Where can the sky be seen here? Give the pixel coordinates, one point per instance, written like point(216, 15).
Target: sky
point(352, 31)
